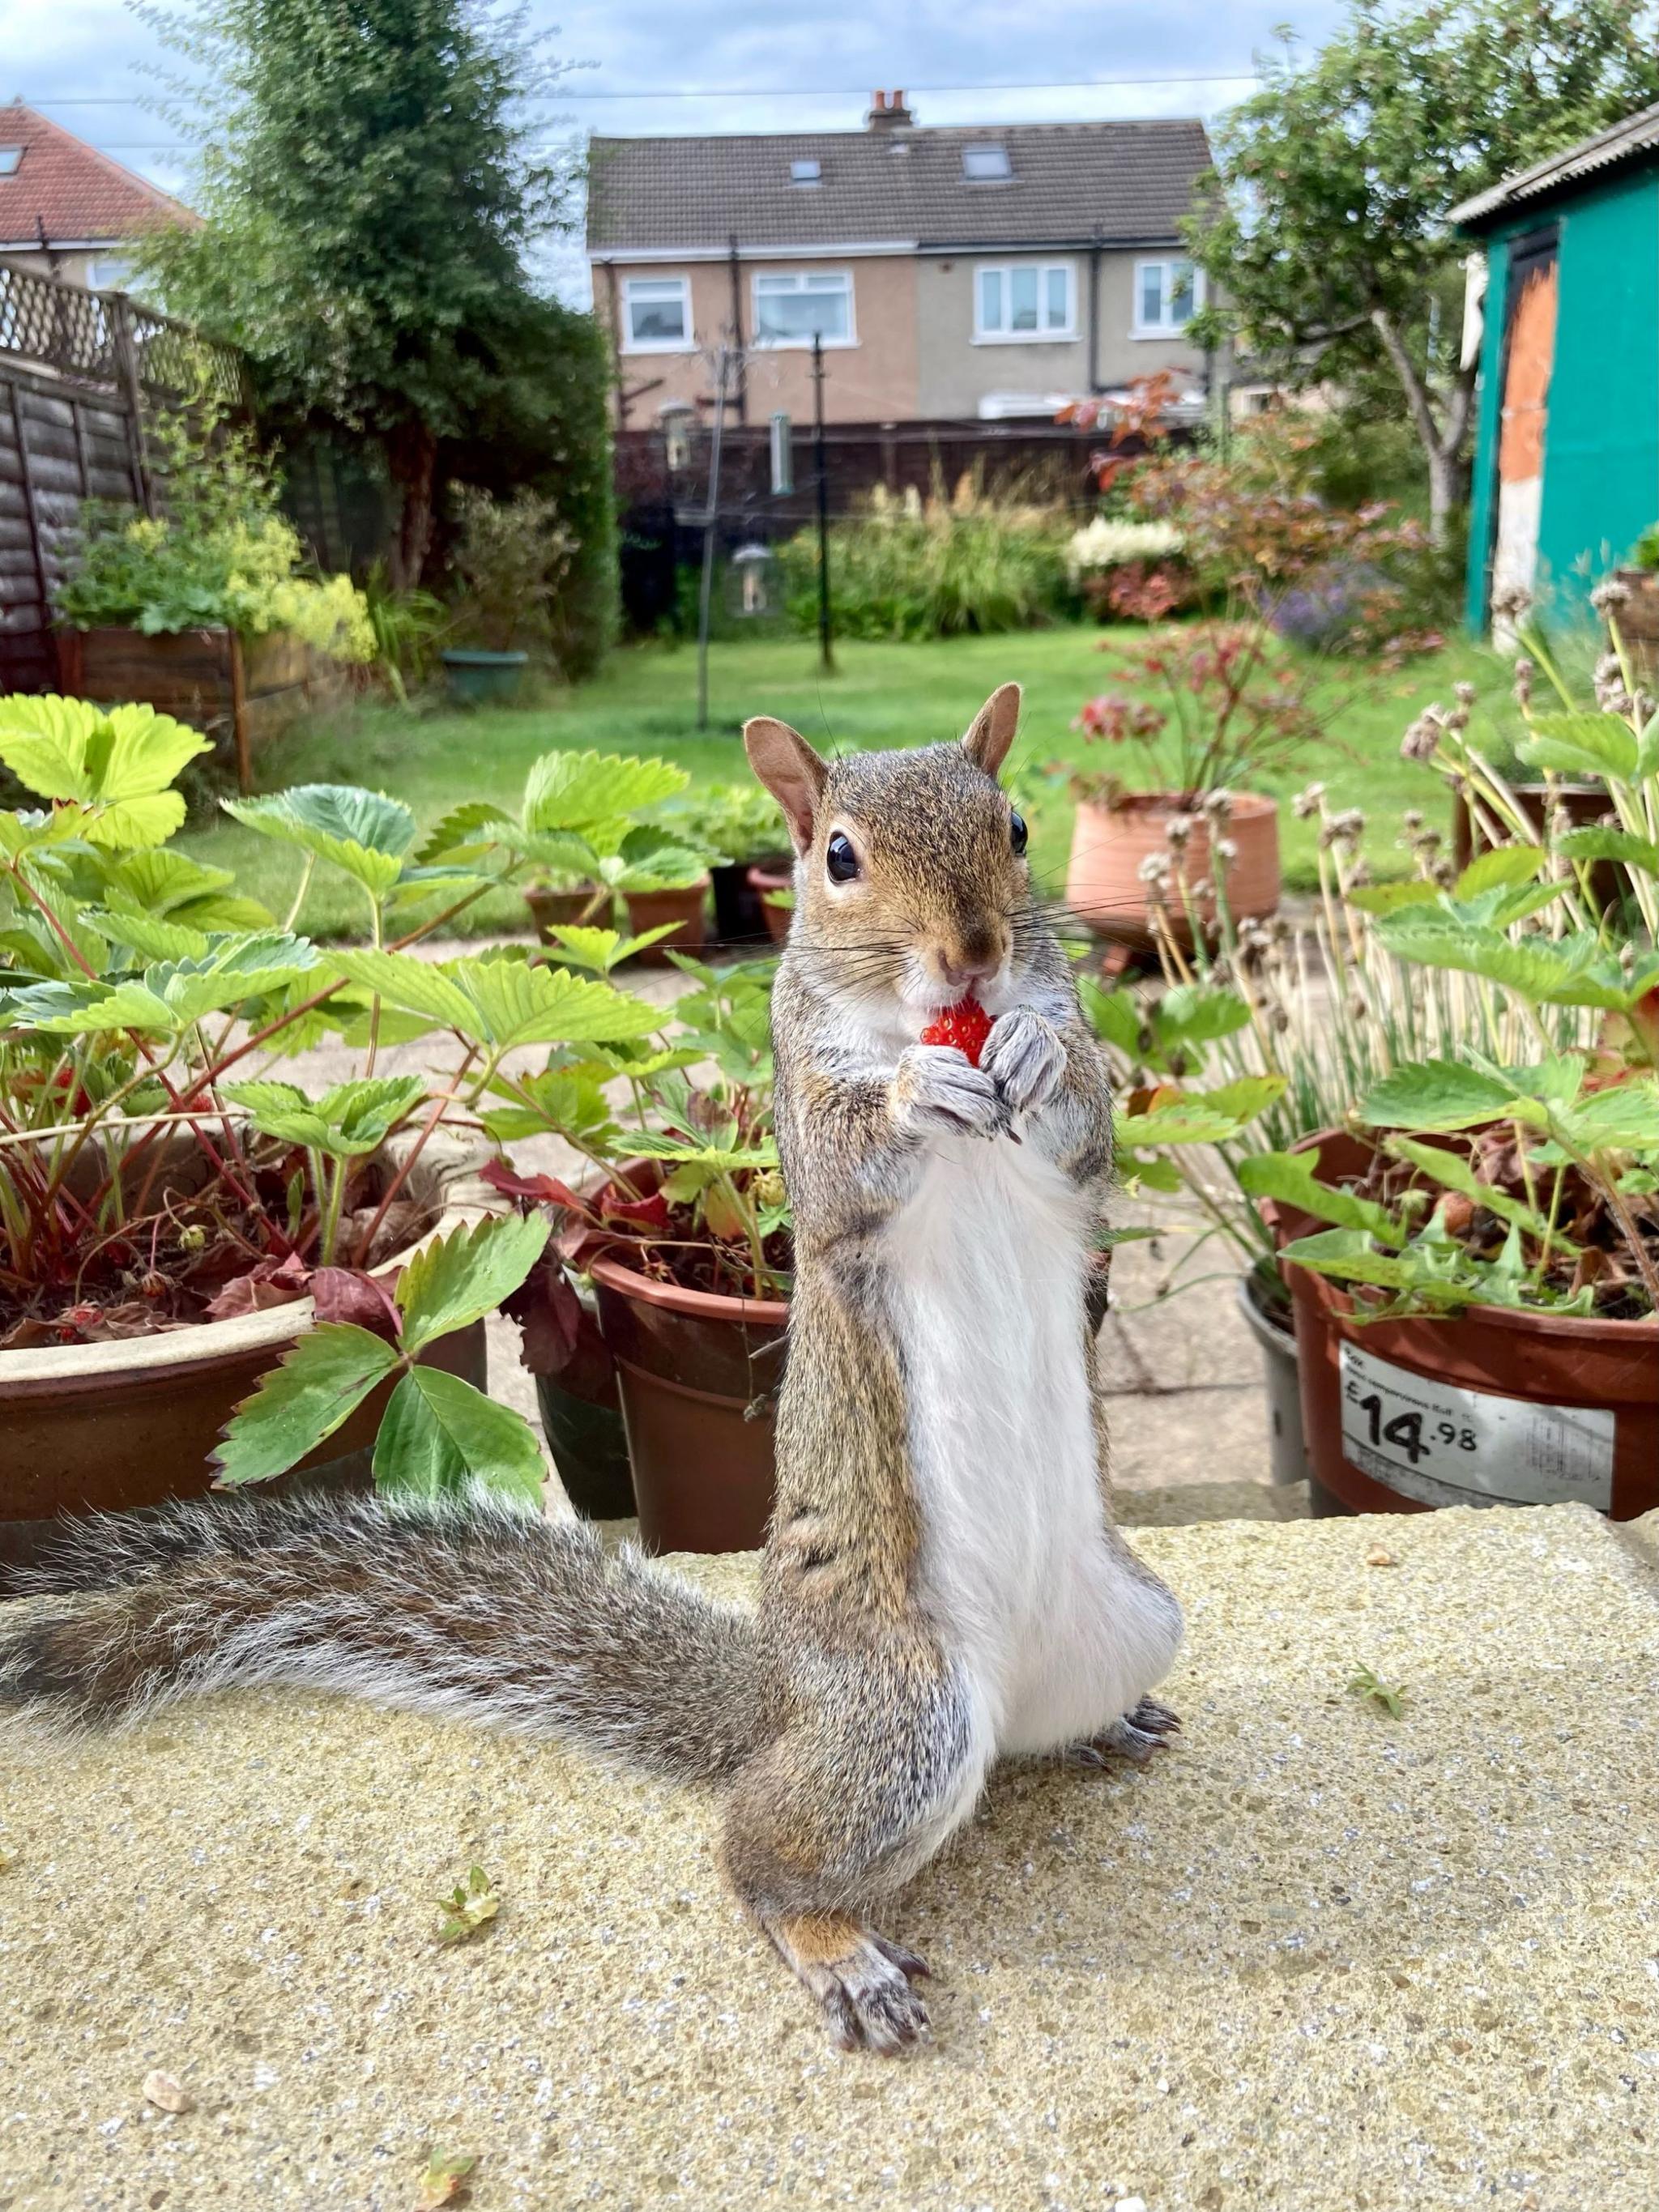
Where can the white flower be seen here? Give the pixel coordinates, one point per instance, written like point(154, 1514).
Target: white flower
point(1105, 544)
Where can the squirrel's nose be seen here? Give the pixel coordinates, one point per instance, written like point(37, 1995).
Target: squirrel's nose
point(956, 973)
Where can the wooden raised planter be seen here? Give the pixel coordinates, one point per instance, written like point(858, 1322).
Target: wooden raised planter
point(114, 1427)
point(245, 689)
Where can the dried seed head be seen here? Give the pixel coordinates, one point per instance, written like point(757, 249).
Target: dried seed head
point(1154, 869)
point(1511, 603)
point(1307, 802)
point(1226, 851)
point(1178, 831)
point(1464, 694)
point(1218, 803)
point(1413, 820)
point(1524, 673)
point(1609, 596)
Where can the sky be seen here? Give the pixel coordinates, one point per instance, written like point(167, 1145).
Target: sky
point(641, 67)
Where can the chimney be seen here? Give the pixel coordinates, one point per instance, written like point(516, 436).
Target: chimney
point(888, 112)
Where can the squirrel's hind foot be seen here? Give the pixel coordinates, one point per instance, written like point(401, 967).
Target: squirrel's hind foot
point(1134, 1735)
point(864, 1985)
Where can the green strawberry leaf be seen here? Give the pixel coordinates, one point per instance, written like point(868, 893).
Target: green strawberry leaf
point(318, 1385)
point(467, 1274)
point(439, 1434)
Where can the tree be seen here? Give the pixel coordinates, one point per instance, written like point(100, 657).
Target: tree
point(369, 192)
point(1324, 228)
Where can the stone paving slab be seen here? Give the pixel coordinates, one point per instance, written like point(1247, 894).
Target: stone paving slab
point(1313, 1958)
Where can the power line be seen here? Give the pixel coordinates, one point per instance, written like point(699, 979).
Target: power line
point(781, 91)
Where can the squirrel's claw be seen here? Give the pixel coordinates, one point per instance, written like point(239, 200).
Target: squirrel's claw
point(936, 1091)
point(1025, 1057)
point(1134, 1735)
point(862, 1983)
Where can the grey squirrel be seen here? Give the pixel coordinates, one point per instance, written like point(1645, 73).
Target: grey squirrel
point(942, 1583)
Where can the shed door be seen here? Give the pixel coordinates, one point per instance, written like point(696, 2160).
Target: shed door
point(1528, 357)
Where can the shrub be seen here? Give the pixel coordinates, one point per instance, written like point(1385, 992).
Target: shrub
point(511, 558)
point(222, 553)
point(939, 568)
point(1113, 541)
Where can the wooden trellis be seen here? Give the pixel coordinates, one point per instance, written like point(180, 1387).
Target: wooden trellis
point(78, 371)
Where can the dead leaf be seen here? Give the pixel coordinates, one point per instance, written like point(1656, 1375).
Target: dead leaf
point(268, 1282)
point(445, 2181)
point(165, 2093)
point(349, 1294)
point(467, 1907)
point(1376, 1557)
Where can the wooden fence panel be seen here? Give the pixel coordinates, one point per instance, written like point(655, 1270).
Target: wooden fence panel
point(76, 371)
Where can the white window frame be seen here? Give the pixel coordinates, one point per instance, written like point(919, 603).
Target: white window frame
point(802, 280)
point(630, 344)
point(1044, 269)
point(99, 276)
point(1139, 328)
point(11, 159)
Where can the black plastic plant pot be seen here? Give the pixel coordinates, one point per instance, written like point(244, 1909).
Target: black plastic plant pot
point(589, 1446)
point(740, 916)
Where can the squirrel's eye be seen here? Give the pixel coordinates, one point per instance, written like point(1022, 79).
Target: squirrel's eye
point(841, 862)
point(1016, 832)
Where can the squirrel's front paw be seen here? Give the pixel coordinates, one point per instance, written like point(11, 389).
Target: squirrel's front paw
point(1025, 1058)
point(937, 1091)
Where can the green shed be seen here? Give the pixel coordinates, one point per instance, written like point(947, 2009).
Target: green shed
point(1566, 460)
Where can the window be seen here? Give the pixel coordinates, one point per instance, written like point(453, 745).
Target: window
point(805, 173)
point(9, 157)
point(657, 314)
point(1027, 300)
point(109, 273)
point(792, 309)
point(986, 165)
point(1168, 293)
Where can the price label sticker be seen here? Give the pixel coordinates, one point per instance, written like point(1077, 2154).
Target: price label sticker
point(1443, 1445)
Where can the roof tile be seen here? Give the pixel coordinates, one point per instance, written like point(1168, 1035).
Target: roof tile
point(1131, 181)
point(71, 189)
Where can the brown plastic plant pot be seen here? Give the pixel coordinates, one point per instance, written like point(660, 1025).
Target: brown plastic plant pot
point(699, 1376)
point(1562, 1407)
point(682, 906)
point(1104, 888)
point(551, 909)
point(764, 879)
point(118, 1427)
point(1584, 804)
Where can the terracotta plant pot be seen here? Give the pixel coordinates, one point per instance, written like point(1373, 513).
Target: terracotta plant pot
point(111, 1427)
point(1638, 623)
point(1103, 886)
point(699, 1376)
point(1492, 1407)
point(1584, 804)
point(740, 916)
point(551, 909)
point(650, 909)
point(768, 876)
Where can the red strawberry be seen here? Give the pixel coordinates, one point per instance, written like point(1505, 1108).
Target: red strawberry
point(966, 1026)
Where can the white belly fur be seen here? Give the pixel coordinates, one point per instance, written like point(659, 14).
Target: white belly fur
point(1055, 1635)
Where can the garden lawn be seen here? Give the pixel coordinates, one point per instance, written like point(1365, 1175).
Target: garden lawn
point(644, 701)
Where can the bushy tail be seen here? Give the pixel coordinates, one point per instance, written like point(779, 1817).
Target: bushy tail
point(472, 1609)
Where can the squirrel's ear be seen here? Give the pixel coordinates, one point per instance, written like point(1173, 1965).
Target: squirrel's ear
point(790, 771)
point(992, 730)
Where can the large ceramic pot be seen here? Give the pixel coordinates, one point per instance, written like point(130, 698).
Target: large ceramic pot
point(1493, 1408)
point(114, 1427)
point(699, 1377)
point(1104, 888)
point(682, 907)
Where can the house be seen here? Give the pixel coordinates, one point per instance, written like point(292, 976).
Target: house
point(984, 275)
point(1566, 462)
point(67, 209)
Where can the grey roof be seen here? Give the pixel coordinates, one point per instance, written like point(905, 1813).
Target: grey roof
point(1636, 136)
point(1132, 181)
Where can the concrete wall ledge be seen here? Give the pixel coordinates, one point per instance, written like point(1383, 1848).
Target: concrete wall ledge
point(1315, 1957)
